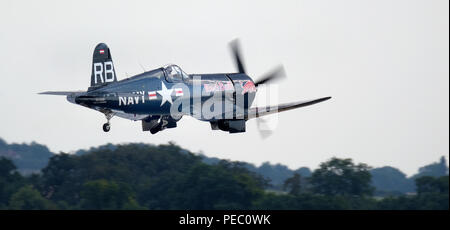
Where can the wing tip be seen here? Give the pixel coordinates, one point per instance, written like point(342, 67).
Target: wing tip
point(322, 99)
point(47, 93)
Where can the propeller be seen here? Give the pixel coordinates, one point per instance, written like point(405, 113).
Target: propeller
point(236, 51)
point(275, 74)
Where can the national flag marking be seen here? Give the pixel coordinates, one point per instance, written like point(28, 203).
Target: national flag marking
point(178, 92)
point(151, 95)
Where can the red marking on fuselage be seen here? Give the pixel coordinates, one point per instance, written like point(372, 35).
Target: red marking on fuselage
point(248, 87)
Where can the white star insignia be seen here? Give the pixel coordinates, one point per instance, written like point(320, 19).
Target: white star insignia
point(165, 93)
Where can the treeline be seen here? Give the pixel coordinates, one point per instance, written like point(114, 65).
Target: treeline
point(137, 176)
point(29, 158)
point(388, 181)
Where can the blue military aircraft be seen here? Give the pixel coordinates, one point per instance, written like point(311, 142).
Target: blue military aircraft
point(160, 97)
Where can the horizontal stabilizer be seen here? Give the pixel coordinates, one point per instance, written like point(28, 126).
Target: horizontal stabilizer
point(61, 93)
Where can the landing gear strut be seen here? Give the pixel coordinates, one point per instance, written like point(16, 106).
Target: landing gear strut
point(107, 126)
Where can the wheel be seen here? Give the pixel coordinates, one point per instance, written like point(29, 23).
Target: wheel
point(156, 129)
point(106, 127)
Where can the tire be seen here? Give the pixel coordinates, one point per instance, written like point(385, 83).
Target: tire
point(106, 127)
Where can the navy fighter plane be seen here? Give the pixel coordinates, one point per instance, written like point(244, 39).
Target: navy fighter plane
point(160, 97)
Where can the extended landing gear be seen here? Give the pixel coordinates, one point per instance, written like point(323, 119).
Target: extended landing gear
point(107, 126)
point(157, 123)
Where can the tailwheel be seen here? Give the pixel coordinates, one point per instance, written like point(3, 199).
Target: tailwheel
point(106, 127)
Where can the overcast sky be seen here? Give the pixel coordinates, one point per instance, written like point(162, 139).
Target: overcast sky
point(384, 62)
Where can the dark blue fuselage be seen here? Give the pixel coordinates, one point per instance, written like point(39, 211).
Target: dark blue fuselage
point(154, 93)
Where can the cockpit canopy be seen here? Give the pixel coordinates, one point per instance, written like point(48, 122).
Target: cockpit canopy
point(175, 74)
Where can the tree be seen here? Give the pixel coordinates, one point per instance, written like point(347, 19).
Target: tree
point(436, 169)
point(428, 184)
point(389, 180)
point(7, 167)
point(61, 180)
point(293, 184)
point(103, 195)
point(137, 176)
point(276, 173)
point(28, 158)
point(10, 181)
point(28, 198)
point(443, 184)
point(224, 186)
point(342, 177)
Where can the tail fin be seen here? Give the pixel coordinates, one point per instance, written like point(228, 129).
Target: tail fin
point(103, 71)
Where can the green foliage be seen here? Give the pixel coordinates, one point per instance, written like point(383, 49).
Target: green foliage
point(275, 174)
point(65, 176)
point(310, 201)
point(154, 177)
point(138, 176)
point(435, 169)
point(428, 184)
point(420, 202)
point(104, 195)
point(28, 198)
point(342, 177)
point(7, 167)
point(391, 180)
point(443, 184)
point(222, 186)
point(279, 173)
point(10, 181)
point(29, 158)
point(32, 158)
point(293, 184)
point(432, 194)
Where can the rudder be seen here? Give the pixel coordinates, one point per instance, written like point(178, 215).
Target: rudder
point(103, 71)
